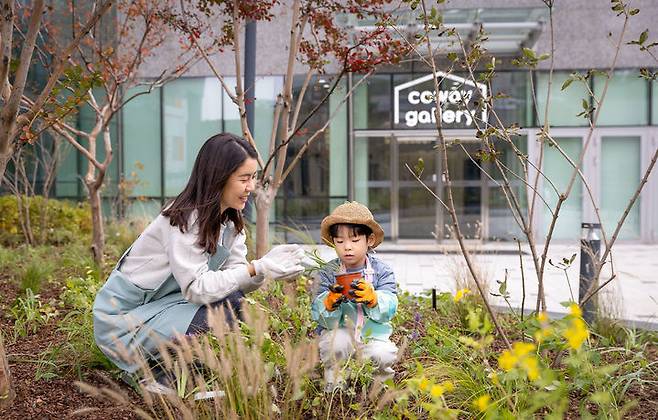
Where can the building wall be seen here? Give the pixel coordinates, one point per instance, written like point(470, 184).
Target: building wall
point(581, 37)
point(163, 131)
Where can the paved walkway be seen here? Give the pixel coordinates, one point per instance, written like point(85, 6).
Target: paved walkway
point(632, 296)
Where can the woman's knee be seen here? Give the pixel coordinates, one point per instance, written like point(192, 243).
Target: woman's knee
point(232, 305)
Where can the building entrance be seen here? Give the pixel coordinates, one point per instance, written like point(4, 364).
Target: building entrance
point(421, 216)
point(383, 180)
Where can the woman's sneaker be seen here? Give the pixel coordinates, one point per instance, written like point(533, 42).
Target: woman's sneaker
point(155, 387)
point(209, 395)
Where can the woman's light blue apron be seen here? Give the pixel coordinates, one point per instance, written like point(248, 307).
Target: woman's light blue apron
point(130, 321)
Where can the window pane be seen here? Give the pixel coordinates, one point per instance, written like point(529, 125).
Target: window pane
point(231, 112)
point(372, 102)
point(192, 113)
point(619, 180)
point(654, 103)
point(558, 170)
point(267, 89)
point(626, 101)
point(565, 104)
point(372, 177)
point(517, 107)
point(67, 172)
point(338, 142)
point(305, 192)
point(141, 140)
point(502, 224)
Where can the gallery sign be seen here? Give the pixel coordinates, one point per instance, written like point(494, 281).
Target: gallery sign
point(414, 102)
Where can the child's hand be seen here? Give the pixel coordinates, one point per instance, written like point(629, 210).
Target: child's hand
point(364, 293)
point(334, 298)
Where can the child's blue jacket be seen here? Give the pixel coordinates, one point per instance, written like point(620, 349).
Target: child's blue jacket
point(377, 319)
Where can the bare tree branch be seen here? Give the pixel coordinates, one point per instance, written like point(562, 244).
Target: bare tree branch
point(451, 204)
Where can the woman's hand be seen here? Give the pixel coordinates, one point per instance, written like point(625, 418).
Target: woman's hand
point(282, 262)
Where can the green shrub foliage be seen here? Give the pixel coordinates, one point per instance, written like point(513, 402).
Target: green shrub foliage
point(63, 221)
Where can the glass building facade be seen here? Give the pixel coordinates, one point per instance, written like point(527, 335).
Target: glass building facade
point(371, 143)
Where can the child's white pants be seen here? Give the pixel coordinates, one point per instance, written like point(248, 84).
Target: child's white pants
point(338, 344)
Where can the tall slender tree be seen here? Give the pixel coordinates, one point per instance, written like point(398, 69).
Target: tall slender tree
point(315, 41)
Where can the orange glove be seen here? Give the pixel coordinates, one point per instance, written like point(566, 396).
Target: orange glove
point(334, 298)
point(364, 293)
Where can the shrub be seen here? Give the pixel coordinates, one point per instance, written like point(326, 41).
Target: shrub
point(65, 222)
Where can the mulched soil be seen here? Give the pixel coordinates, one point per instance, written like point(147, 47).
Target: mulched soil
point(56, 398)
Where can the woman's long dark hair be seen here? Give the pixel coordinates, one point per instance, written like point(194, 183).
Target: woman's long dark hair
point(219, 157)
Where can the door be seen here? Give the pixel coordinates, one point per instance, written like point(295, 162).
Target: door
point(468, 192)
point(417, 209)
point(422, 216)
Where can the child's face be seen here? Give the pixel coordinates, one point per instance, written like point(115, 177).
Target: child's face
point(352, 249)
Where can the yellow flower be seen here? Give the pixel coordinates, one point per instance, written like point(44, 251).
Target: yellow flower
point(437, 391)
point(520, 356)
point(542, 317)
point(576, 334)
point(543, 334)
point(507, 360)
point(460, 294)
point(520, 349)
point(574, 310)
point(531, 367)
point(448, 386)
point(494, 378)
point(482, 403)
point(424, 383)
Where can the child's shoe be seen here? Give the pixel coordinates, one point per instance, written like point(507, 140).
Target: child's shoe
point(333, 380)
point(384, 374)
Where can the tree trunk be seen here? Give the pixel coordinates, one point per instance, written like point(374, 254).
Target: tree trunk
point(4, 159)
point(263, 201)
point(23, 203)
point(98, 233)
point(7, 393)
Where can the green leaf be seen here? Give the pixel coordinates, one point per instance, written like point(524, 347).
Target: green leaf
point(634, 12)
point(643, 36)
point(452, 56)
point(503, 288)
point(529, 53)
point(585, 104)
point(601, 397)
point(566, 83)
point(419, 167)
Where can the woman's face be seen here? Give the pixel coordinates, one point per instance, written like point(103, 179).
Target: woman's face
point(239, 185)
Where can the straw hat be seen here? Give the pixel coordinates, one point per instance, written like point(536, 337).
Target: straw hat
point(354, 213)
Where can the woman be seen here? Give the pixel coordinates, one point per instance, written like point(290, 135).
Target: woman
point(192, 255)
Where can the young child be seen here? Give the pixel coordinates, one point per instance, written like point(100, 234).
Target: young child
point(362, 320)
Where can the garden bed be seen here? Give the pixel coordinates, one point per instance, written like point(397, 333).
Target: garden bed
point(47, 363)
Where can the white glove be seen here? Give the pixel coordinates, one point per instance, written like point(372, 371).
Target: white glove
point(282, 262)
